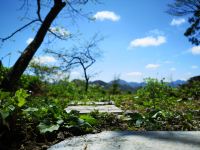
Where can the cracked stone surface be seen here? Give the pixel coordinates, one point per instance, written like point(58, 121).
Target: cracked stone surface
point(127, 140)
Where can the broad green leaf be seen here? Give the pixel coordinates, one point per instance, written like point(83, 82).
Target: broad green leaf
point(47, 128)
point(89, 119)
point(21, 102)
point(21, 96)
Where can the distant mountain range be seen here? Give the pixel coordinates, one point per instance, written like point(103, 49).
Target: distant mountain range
point(177, 83)
point(131, 86)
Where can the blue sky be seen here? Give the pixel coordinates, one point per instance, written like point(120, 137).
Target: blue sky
point(141, 40)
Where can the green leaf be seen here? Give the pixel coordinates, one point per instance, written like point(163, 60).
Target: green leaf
point(60, 121)
point(89, 119)
point(158, 114)
point(21, 96)
point(30, 109)
point(47, 128)
point(4, 115)
point(11, 107)
point(139, 122)
point(21, 102)
point(136, 116)
point(80, 121)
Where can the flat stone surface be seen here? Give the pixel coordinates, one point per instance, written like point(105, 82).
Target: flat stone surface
point(100, 108)
point(126, 140)
point(91, 103)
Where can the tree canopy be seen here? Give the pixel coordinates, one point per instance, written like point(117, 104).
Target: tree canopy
point(189, 8)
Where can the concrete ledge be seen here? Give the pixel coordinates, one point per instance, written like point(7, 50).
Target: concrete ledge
point(127, 140)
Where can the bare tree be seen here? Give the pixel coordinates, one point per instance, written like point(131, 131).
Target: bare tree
point(57, 6)
point(84, 56)
point(189, 8)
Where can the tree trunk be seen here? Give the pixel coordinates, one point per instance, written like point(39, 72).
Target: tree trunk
point(86, 78)
point(9, 82)
point(86, 85)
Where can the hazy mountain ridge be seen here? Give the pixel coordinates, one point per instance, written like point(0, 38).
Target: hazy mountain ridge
point(131, 86)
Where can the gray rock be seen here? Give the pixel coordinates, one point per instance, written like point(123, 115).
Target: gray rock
point(100, 108)
point(74, 103)
point(126, 140)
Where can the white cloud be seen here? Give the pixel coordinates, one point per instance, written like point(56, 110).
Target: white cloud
point(60, 31)
point(148, 41)
point(189, 73)
point(29, 40)
point(134, 74)
point(75, 73)
point(172, 69)
point(106, 15)
point(195, 50)
point(194, 67)
point(156, 32)
point(59, 76)
point(152, 66)
point(168, 62)
point(44, 59)
point(177, 22)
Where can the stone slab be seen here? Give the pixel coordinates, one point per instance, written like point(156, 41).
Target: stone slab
point(126, 140)
point(100, 108)
point(91, 103)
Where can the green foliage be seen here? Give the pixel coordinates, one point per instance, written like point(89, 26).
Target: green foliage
point(64, 89)
point(164, 120)
point(31, 83)
point(3, 72)
point(190, 90)
point(11, 107)
point(74, 91)
point(105, 120)
point(158, 107)
point(27, 82)
point(189, 8)
point(156, 94)
point(21, 96)
point(137, 119)
point(114, 89)
point(89, 119)
point(42, 71)
point(47, 128)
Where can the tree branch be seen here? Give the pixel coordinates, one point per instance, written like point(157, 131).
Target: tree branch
point(18, 30)
point(58, 36)
point(38, 10)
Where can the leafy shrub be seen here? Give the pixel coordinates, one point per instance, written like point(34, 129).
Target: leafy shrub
point(106, 120)
point(64, 89)
point(190, 90)
point(11, 109)
point(156, 94)
point(31, 83)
